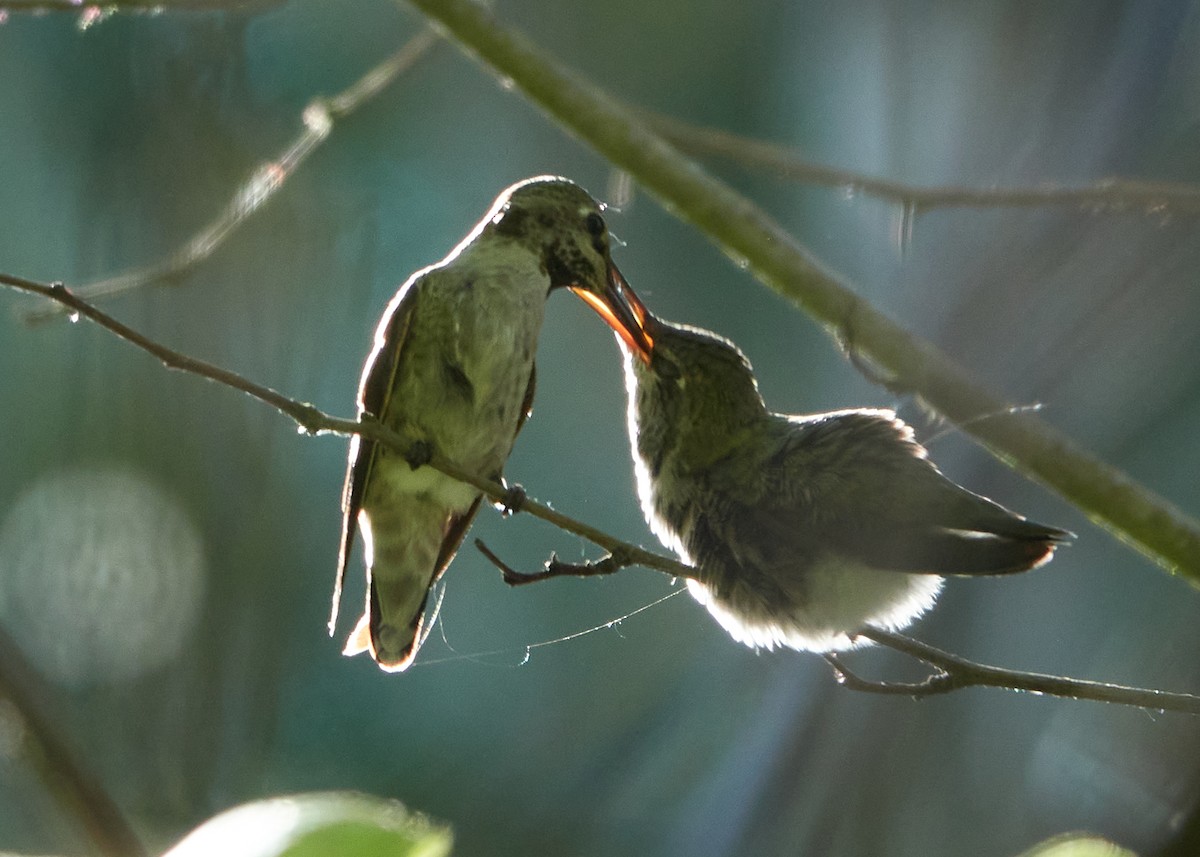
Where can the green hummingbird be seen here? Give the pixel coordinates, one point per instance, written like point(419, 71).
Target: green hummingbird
point(452, 369)
point(803, 529)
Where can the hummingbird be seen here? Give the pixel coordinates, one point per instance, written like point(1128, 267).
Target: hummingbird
point(803, 530)
point(452, 369)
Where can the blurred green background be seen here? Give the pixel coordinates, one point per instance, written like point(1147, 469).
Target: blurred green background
point(167, 546)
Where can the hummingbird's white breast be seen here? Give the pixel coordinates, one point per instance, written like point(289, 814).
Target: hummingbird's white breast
point(833, 599)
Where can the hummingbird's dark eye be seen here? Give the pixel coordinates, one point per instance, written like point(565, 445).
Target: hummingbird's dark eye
point(595, 224)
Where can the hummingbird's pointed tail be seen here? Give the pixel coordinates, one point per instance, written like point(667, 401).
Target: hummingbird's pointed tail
point(967, 554)
point(392, 645)
point(359, 640)
point(406, 554)
point(943, 528)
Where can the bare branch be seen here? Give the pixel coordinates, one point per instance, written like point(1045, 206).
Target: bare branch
point(961, 672)
point(938, 682)
point(317, 422)
point(616, 560)
point(318, 118)
point(1110, 196)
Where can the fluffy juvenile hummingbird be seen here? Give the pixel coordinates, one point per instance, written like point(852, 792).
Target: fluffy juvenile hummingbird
point(803, 529)
point(453, 370)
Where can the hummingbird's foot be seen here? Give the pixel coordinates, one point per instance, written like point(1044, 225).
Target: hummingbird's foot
point(514, 498)
point(419, 454)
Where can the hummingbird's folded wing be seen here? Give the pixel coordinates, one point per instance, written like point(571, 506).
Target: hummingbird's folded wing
point(377, 379)
point(859, 483)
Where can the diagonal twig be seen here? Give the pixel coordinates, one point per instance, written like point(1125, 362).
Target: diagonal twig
point(316, 422)
point(318, 118)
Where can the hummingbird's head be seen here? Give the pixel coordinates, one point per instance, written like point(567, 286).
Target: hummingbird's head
point(562, 224)
point(696, 386)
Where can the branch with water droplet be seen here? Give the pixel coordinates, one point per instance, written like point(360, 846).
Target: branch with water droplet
point(313, 421)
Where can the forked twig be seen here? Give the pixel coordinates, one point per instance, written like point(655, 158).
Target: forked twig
point(937, 682)
point(960, 672)
point(617, 559)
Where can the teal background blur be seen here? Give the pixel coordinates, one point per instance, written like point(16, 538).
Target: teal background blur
point(659, 735)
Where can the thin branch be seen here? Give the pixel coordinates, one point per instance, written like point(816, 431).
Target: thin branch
point(939, 681)
point(316, 422)
point(1136, 515)
point(953, 672)
point(621, 554)
point(1110, 196)
point(950, 671)
point(318, 118)
point(617, 559)
point(79, 793)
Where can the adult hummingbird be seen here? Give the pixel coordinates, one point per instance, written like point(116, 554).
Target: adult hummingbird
point(452, 370)
point(803, 529)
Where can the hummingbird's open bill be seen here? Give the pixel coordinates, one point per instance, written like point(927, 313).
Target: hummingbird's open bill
point(803, 529)
point(452, 370)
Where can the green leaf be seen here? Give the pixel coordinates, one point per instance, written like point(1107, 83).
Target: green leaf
point(317, 824)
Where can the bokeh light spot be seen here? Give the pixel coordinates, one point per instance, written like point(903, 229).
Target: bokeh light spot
point(101, 575)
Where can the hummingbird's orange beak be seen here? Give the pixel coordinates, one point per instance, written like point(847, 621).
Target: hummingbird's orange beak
point(623, 311)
